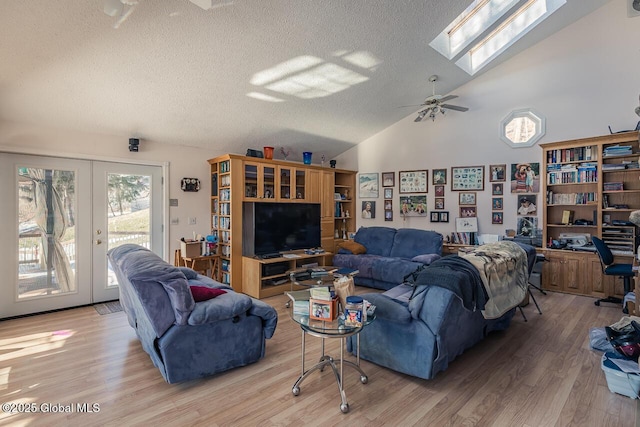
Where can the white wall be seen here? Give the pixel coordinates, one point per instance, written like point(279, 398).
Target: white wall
point(182, 162)
point(582, 79)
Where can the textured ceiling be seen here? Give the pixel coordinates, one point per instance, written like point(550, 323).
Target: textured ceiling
point(175, 73)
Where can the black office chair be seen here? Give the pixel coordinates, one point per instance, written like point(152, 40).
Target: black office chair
point(610, 269)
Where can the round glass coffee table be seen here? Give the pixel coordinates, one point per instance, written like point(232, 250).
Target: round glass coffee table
point(327, 330)
point(302, 277)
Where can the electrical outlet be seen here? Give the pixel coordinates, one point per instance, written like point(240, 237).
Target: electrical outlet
point(175, 221)
point(192, 221)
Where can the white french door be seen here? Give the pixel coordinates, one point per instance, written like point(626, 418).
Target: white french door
point(51, 253)
point(127, 208)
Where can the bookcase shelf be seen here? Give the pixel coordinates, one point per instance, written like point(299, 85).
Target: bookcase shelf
point(602, 171)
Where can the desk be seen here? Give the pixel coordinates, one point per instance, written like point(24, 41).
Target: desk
point(196, 263)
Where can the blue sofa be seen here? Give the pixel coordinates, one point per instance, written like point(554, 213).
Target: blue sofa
point(187, 339)
point(419, 329)
point(391, 255)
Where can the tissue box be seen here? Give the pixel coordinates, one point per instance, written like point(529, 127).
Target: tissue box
point(190, 249)
point(618, 381)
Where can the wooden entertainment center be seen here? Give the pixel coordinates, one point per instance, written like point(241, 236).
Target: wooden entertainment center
point(236, 179)
point(588, 186)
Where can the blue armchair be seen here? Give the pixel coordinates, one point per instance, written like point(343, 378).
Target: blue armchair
point(184, 338)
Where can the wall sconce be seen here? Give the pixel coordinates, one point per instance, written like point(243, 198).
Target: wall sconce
point(190, 184)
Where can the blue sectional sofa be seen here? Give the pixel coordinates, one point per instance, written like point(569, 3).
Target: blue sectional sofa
point(419, 329)
point(184, 338)
point(391, 255)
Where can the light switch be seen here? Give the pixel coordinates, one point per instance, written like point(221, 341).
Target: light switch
point(192, 221)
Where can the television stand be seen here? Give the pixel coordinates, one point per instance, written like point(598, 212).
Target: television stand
point(268, 277)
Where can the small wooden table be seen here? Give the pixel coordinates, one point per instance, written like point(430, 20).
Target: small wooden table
point(210, 260)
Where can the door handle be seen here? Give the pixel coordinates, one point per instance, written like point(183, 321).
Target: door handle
point(98, 242)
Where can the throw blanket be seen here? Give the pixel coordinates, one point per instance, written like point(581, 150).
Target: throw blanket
point(456, 274)
point(503, 269)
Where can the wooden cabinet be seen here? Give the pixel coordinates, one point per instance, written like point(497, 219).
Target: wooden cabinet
point(268, 277)
point(236, 179)
point(563, 272)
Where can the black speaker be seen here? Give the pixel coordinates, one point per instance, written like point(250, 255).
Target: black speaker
point(133, 144)
point(254, 153)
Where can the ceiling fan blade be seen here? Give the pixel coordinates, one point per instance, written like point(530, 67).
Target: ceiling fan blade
point(414, 105)
point(454, 107)
point(421, 115)
point(447, 98)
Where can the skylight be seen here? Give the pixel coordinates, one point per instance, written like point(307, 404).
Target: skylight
point(488, 27)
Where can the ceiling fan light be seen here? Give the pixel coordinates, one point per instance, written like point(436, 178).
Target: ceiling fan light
point(113, 7)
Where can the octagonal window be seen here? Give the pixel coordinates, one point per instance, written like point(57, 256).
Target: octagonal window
point(522, 128)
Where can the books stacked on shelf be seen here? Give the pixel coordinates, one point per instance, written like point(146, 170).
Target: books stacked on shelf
point(618, 150)
point(569, 174)
point(613, 166)
point(577, 154)
point(612, 186)
point(571, 198)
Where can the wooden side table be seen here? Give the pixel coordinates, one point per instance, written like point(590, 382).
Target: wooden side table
point(210, 261)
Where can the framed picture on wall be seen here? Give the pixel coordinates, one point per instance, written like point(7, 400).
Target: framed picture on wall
point(467, 198)
point(413, 181)
point(388, 215)
point(497, 189)
point(468, 212)
point(439, 190)
point(496, 218)
point(439, 176)
point(388, 179)
point(368, 185)
point(496, 203)
point(467, 178)
point(443, 216)
point(435, 217)
point(439, 203)
point(498, 173)
point(388, 193)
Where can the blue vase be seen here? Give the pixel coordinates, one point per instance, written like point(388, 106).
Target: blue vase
point(306, 157)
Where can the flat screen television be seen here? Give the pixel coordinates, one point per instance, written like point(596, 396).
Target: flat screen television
point(271, 228)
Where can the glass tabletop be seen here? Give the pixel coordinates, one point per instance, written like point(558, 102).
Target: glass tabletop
point(334, 327)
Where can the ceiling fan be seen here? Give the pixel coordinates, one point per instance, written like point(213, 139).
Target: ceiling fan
point(437, 103)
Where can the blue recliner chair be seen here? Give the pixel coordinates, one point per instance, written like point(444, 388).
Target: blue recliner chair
point(612, 269)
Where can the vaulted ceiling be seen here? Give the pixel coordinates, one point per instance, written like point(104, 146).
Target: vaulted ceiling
point(220, 78)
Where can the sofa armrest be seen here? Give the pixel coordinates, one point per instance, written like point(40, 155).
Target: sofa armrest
point(268, 314)
point(222, 307)
point(388, 308)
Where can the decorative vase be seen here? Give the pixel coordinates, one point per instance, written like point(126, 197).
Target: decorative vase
point(332, 163)
point(268, 152)
point(306, 157)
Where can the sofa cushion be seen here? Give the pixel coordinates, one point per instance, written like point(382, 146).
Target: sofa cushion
point(393, 270)
point(377, 240)
point(426, 258)
point(409, 242)
point(353, 247)
point(204, 293)
point(145, 270)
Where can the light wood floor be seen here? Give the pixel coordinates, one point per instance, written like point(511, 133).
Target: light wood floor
point(538, 373)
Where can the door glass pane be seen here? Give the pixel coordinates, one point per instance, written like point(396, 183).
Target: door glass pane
point(250, 180)
point(129, 214)
point(285, 183)
point(46, 227)
point(300, 184)
point(269, 182)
